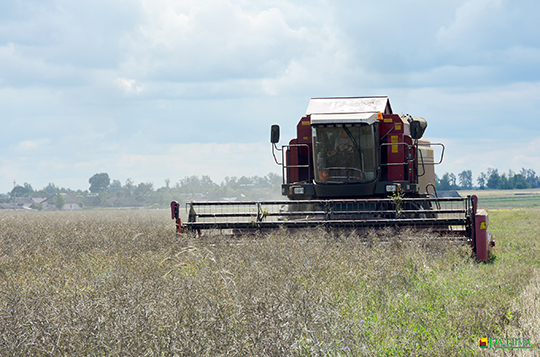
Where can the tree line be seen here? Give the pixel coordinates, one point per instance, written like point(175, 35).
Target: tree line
point(249, 188)
point(188, 188)
point(491, 179)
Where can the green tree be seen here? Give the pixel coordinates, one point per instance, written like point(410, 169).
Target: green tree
point(22, 191)
point(465, 179)
point(40, 193)
point(520, 182)
point(59, 200)
point(494, 179)
point(446, 182)
point(482, 180)
point(530, 176)
point(115, 186)
point(195, 185)
point(99, 182)
point(144, 189)
point(231, 182)
point(453, 184)
point(128, 188)
point(50, 188)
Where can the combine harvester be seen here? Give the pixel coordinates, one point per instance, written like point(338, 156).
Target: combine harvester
point(353, 165)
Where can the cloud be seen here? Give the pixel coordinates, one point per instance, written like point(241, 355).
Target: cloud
point(466, 29)
point(128, 85)
point(210, 40)
point(210, 48)
point(22, 71)
point(32, 145)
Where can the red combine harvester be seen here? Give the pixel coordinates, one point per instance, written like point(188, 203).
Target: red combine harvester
point(353, 165)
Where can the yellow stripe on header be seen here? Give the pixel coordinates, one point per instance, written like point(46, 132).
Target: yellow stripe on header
point(305, 122)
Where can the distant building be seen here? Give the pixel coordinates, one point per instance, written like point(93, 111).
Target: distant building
point(124, 202)
point(90, 200)
point(70, 202)
point(18, 203)
point(38, 200)
point(23, 203)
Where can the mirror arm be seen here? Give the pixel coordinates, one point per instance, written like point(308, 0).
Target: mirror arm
point(274, 147)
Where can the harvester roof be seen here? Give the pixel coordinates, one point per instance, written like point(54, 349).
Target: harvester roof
point(349, 105)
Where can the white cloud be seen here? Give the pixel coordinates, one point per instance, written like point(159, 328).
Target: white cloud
point(21, 71)
point(32, 145)
point(210, 39)
point(128, 85)
point(215, 48)
point(468, 22)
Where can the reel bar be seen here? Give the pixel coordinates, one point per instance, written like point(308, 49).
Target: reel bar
point(337, 213)
point(332, 201)
point(446, 224)
point(216, 213)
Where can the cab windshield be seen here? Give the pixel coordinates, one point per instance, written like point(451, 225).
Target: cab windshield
point(344, 153)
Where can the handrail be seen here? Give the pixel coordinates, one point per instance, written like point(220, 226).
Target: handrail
point(406, 162)
point(287, 166)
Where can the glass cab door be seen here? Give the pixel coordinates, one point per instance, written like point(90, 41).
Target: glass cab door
point(344, 153)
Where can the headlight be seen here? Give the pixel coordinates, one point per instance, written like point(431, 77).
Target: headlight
point(298, 190)
point(391, 188)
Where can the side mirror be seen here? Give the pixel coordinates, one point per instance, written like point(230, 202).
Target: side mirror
point(418, 126)
point(274, 134)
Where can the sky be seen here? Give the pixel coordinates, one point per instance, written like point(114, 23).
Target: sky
point(150, 90)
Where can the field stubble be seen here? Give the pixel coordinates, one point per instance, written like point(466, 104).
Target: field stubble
point(120, 283)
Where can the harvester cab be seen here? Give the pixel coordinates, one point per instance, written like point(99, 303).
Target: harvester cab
point(356, 148)
point(354, 165)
